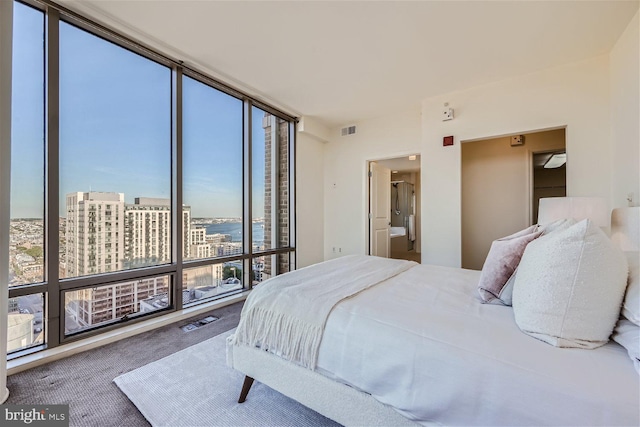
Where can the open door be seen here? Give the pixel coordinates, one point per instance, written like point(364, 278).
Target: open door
point(379, 209)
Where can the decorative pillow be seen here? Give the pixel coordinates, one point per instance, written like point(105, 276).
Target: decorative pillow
point(631, 305)
point(502, 260)
point(506, 295)
point(627, 334)
point(557, 225)
point(570, 286)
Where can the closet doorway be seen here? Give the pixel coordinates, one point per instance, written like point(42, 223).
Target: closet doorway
point(404, 193)
point(502, 181)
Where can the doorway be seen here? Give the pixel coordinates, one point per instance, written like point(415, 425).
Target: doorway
point(549, 178)
point(401, 195)
point(498, 195)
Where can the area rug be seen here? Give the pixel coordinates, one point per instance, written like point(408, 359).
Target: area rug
point(195, 387)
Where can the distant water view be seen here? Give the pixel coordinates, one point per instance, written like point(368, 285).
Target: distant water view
point(234, 229)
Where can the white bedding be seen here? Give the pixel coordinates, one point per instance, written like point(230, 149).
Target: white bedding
point(424, 344)
point(286, 314)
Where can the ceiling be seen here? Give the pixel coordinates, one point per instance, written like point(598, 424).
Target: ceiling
point(341, 61)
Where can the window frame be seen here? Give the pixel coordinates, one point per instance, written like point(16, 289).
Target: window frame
point(53, 287)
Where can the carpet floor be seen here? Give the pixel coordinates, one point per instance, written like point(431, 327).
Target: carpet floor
point(194, 387)
point(85, 380)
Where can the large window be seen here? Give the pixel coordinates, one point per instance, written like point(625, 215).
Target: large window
point(270, 195)
point(139, 186)
point(212, 170)
point(115, 157)
point(27, 229)
point(27, 148)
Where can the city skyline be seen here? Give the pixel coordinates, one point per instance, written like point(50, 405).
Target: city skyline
point(115, 127)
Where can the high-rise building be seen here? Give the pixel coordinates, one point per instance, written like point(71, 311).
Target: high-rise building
point(147, 232)
point(199, 247)
point(92, 306)
point(104, 234)
point(276, 194)
point(95, 233)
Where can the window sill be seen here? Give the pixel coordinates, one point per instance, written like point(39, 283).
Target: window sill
point(46, 356)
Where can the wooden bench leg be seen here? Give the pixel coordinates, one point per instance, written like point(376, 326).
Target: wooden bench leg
point(246, 386)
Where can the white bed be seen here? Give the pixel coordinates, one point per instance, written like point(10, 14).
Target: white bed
point(420, 347)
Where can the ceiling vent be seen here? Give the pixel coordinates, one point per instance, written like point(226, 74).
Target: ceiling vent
point(349, 130)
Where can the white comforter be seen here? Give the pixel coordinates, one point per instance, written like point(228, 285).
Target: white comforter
point(286, 314)
point(424, 344)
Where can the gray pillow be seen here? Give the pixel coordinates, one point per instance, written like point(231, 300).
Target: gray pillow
point(500, 264)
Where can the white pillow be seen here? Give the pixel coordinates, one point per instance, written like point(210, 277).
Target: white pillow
point(555, 226)
point(631, 306)
point(628, 335)
point(569, 287)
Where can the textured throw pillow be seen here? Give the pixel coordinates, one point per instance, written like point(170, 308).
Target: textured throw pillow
point(570, 286)
point(506, 295)
point(555, 226)
point(500, 264)
point(631, 305)
point(627, 334)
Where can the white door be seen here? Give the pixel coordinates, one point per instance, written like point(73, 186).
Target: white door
point(379, 209)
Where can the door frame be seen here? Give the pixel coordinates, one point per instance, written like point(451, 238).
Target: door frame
point(367, 200)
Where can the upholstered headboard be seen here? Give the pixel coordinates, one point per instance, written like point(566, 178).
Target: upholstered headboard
point(625, 228)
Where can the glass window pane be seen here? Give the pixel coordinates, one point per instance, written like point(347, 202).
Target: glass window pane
point(263, 268)
point(201, 283)
point(25, 322)
point(266, 267)
point(285, 262)
point(270, 186)
point(92, 307)
point(26, 235)
point(115, 157)
point(212, 171)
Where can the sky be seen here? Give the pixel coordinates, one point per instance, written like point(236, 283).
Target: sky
point(115, 127)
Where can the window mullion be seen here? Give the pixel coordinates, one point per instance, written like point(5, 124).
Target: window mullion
point(54, 309)
point(292, 194)
point(247, 191)
point(178, 239)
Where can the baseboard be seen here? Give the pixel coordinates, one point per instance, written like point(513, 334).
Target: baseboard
point(46, 356)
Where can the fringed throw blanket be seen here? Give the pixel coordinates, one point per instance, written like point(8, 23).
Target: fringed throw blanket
point(286, 314)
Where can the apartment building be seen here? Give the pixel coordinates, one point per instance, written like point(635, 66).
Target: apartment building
point(105, 234)
point(95, 233)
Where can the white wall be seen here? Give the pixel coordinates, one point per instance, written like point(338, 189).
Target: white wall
point(309, 197)
point(345, 177)
point(6, 34)
point(625, 113)
point(576, 96)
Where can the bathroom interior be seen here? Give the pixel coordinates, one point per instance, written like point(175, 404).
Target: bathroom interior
point(405, 207)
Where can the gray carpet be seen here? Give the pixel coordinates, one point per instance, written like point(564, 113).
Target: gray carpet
point(85, 380)
point(194, 387)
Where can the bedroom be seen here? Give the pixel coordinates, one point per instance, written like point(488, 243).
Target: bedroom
point(594, 96)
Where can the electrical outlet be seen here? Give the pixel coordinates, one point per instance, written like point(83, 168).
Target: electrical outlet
point(630, 199)
point(340, 250)
point(334, 249)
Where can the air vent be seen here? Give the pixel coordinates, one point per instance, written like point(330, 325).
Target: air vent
point(350, 130)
